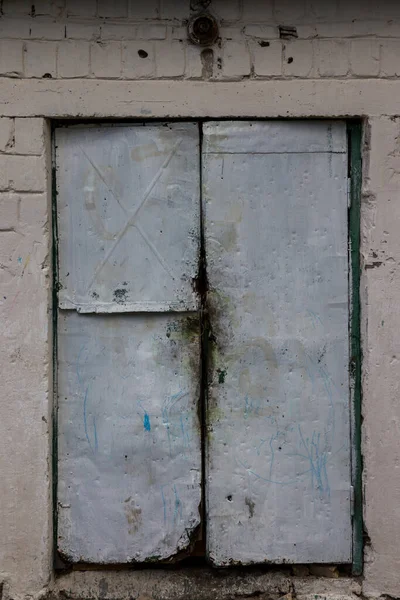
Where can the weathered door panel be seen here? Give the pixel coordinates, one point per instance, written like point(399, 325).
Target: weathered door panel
point(129, 456)
point(129, 468)
point(128, 217)
point(278, 456)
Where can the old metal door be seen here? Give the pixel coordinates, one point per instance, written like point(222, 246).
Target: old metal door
point(278, 469)
point(128, 384)
point(275, 310)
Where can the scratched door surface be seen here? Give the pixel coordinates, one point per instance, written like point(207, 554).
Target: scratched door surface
point(128, 217)
point(129, 458)
point(278, 456)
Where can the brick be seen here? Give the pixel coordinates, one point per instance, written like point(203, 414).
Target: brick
point(10, 253)
point(11, 58)
point(40, 59)
point(106, 59)
point(80, 31)
point(6, 134)
point(390, 63)
point(33, 209)
point(22, 173)
point(364, 57)
point(298, 58)
point(334, 30)
point(22, 7)
point(144, 10)
point(231, 33)
point(14, 28)
point(235, 60)
point(194, 62)
point(115, 9)
point(359, 28)
point(267, 60)
point(383, 160)
point(73, 59)
point(322, 9)
point(8, 211)
point(361, 10)
point(81, 8)
point(332, 58)
point(42, 30)
point(179, 32)
point(305, 32)
point(29, 136)
point(133, 66)
point(118, 32)
point(374, 28)
point(170, 59)
point(151, 32)
point(257, 11)
point(171, 9)
point(54, 8)
point(287, 12)
point(262, 32)
point(226, 10)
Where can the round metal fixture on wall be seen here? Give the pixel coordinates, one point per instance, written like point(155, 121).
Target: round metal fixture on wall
point(203, 29)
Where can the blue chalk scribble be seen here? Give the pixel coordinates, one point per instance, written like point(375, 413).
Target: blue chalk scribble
point(146, 422)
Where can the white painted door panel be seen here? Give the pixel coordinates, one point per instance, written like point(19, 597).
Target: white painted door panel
point(278, 455)
point(129, 468)
point(128, 217)
point(129, 456)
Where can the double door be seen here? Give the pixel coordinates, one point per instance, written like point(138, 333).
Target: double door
point(203, 345)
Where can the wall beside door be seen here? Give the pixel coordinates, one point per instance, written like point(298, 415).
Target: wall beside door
point(87, 59)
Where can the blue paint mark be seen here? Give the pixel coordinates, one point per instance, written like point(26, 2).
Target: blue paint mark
point(185, 433)
point(268, 480)
point(146, 422)
point(178, 505)
point(317, 460)
point(251, 407)
point(19, 259)
point(166, 410)
point(85, 399)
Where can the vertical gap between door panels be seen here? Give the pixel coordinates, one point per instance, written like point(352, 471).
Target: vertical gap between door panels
point(54, 446)
point(202, 289)
point(354, 138)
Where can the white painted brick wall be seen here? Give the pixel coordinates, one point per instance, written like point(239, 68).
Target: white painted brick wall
point(9, 209)
point(364, 57)
point(298, 58)
point(331, 41)
point(135, 66)
point(73, 59)
point(25, 289)
point(40, 59)
point(6, 133)
point(28, 136)
point(266, 57)
point(106, 59)
point(332, 58)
